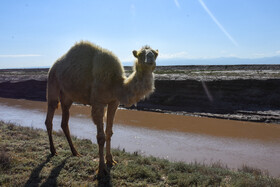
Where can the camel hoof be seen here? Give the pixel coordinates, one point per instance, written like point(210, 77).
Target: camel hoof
point(101, 174)
point(77, 154)
point(111, 163)
point(53, 154)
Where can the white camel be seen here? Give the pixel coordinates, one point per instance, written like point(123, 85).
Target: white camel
point(91, 75)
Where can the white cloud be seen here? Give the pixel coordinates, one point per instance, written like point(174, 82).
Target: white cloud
point(260, 55)
point(127, 59)
point(182, 54)
point(177, 4)
point(19, 56)
point(132, 10)
point(265, 54)
point(217, 22)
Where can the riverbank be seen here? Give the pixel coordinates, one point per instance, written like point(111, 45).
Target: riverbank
point(25, 161)
point(239, 92)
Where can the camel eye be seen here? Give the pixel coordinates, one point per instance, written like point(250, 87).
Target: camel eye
point(142, 55)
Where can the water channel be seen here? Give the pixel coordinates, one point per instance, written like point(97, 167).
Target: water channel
point(169, 136)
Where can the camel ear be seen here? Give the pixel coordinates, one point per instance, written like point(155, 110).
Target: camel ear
point(135, 53)
point(155, 53)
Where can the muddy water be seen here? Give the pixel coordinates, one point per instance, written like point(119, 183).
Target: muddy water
point(177, 138)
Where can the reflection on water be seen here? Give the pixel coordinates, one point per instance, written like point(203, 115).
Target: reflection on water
point(177, 138)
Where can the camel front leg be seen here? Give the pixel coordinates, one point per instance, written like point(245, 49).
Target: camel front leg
point(112, 107)
point(65, 106)
point(97, 116)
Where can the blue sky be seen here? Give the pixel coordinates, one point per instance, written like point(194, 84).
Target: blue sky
point(35, 33)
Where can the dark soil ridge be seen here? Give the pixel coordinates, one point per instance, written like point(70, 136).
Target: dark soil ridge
point(239, 99)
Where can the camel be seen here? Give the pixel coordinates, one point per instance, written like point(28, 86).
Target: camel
point(90, 75)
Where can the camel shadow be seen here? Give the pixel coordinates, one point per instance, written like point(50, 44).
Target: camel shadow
point(35, 179)
point(52, 179)
point(106, 180)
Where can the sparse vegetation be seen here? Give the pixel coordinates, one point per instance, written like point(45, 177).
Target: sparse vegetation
point(170, 72)
point(25, 161)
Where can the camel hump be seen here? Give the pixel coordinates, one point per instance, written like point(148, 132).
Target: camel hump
point(83, 66)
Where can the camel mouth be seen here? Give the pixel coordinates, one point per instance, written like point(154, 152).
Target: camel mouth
point(151, 63)
point(149, 57)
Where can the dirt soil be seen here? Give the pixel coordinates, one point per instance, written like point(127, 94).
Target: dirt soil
point(240, 92)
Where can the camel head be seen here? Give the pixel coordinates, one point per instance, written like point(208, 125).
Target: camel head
point(146, 58)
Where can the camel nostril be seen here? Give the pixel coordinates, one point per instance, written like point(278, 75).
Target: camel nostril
point(150, 58)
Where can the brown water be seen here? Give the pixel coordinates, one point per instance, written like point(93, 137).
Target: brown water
point(174, 137)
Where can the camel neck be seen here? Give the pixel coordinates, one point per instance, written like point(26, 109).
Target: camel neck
point(139, 85)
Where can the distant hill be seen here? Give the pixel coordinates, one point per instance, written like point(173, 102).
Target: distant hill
point(220, 61)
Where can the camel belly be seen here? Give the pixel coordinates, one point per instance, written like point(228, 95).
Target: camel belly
point(79, 98)
point(87, 95)
point(76, 93)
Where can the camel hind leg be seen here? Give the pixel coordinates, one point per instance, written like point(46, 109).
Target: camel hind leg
point(52, 100)
point(65, 106)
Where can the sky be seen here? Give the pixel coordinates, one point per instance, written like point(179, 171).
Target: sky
point(35, 33)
